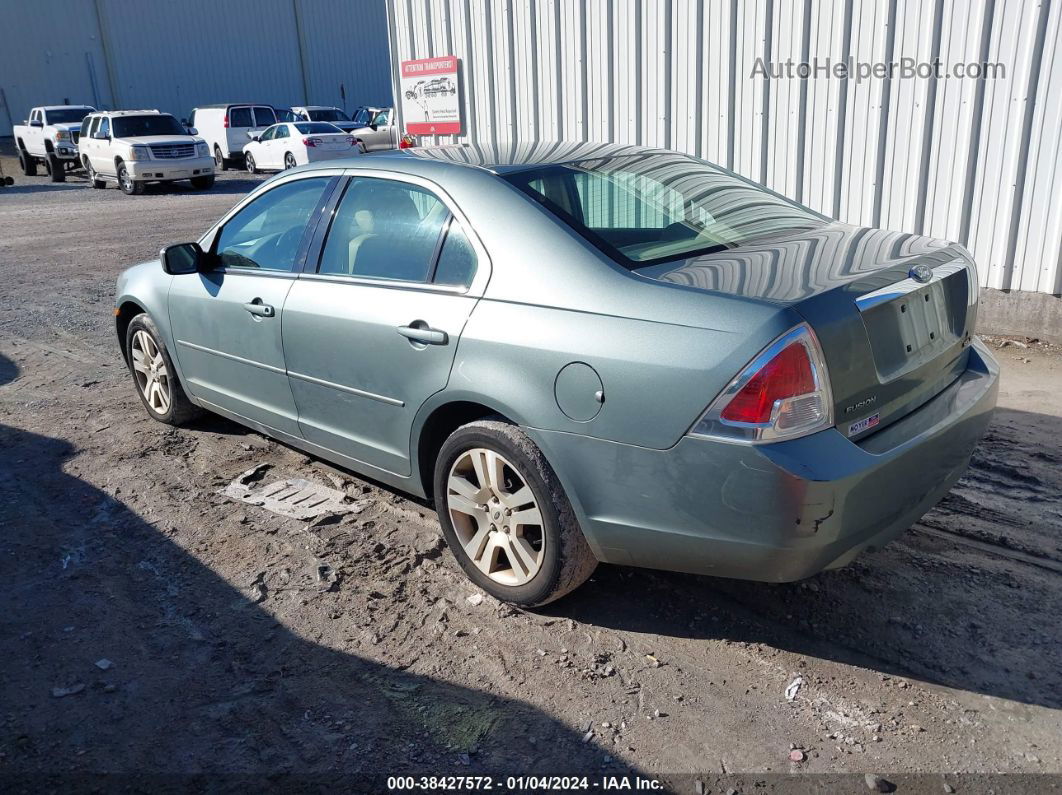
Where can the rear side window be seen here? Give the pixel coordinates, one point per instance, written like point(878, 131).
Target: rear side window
point(384, 229)
point(267, 232)
point(263, 117)
point(457, 260)
point(240, 117)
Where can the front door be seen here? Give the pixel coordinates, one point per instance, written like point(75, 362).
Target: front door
point(380, 138)
point(226, 322)
point(373, 334)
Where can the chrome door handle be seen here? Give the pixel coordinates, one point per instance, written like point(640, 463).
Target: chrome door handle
point(256, 307)
point(421, 332)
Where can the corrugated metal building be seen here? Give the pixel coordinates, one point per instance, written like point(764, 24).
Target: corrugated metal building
point(174, 56)
point(978, 161)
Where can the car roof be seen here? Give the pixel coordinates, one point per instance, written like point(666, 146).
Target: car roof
point(145, 112)
point(63, 107)
point(499, 159)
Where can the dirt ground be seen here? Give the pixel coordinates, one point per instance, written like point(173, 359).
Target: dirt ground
point(241, 642)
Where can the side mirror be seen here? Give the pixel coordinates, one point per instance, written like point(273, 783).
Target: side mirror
point(193, 131)
point(182, 258)
point(99, 135)
point(36, 123)
point(256, 137)
point(184, 122)
point(373, 126)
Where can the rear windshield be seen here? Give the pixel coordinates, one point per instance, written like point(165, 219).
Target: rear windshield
point(327, 114)
point(252, 117)
point(66, 115)
point(316, 128)
point(647, 208)
point(155, 124)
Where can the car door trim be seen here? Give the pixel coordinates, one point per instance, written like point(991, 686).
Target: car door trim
point(348, 389)
point(232, 357)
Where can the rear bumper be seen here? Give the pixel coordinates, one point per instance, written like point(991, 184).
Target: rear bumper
point(150, 170)
point(776, 512)
point(317, 155)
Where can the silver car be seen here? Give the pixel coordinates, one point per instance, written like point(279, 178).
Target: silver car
point(581, 353)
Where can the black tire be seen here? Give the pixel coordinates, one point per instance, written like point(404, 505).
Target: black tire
point(94, 180)
point(248, 161)
point(129, 186)
point(219, 160)
point(203, 183)
point(28, 163)
point(567, 559)
point(180, 409)
point(289, 161)
point(56, 169)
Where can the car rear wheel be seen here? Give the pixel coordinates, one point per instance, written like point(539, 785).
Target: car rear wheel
point(289, 161)
point(94, 180)
point(506, 517)
point(219, 159)
point(154, 374)
point(248, 159)
point(27, 163)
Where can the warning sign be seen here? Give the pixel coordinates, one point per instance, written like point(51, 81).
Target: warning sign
point(430, 103)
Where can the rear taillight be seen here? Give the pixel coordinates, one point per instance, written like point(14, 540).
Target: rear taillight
point(351, 140)
point(407, 141)
point(225, 122)
point(783, 393)
point(311, 141)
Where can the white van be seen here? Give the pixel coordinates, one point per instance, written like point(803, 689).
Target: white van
point(225, 128)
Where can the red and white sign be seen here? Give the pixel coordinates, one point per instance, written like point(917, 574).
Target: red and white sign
point(430, 104)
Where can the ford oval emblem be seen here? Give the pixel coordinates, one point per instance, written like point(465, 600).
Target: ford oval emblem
point(921, 273)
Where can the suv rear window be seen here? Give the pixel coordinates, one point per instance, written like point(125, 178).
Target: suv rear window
point(648, 208)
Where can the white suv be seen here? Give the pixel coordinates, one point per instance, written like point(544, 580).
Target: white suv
point(134, 147)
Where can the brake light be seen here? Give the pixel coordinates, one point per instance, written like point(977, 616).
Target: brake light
point(781, 394)
point(225, 122)
point(311, 141)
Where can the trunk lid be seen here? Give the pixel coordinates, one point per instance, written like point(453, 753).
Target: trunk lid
point(891, 340)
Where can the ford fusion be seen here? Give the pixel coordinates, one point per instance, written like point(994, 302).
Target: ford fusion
point(580, 353)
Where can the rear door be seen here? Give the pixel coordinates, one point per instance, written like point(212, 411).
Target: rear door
point(226, 322)
point(372, 334)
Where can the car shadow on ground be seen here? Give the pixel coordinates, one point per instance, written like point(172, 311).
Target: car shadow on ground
point(123, 653)
point(225, 187)
point(955, 601)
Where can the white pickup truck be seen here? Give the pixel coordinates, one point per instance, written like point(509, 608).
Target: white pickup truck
point(50, 137)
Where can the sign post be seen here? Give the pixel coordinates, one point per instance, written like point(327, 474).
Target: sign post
point(430, 104)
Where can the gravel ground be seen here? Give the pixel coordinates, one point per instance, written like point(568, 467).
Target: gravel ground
point(150, 624)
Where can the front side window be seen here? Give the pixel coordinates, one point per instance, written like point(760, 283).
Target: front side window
point(269, 134)
point(382, 118)
point(281, 131)
point(267, 232)
point(105, 126)
point(240, 117)
point(155, 124)
point(649, 208)
point(363, 117)
point(263, 117)
point(91, 128)
point(384, 229)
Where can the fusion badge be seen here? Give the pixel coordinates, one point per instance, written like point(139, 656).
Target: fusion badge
point(863, 424)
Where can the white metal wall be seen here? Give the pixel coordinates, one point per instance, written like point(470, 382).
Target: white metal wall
point(978, 161)
point(176, 55)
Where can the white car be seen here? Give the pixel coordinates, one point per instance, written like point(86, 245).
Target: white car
point(134, 147)
point(226, 128)
point(291, 144)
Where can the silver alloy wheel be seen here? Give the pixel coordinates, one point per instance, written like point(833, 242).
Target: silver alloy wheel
point(289, 160)
point(125, 179)
point(249, 162)
point(151, 373)
point(495, 516)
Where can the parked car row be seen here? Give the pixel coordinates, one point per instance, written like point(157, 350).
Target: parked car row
point(135, 147)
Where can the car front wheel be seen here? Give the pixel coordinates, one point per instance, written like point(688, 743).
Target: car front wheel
point(505, 515)
point(252, 168)
point(129, 186)
point(154, 374)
